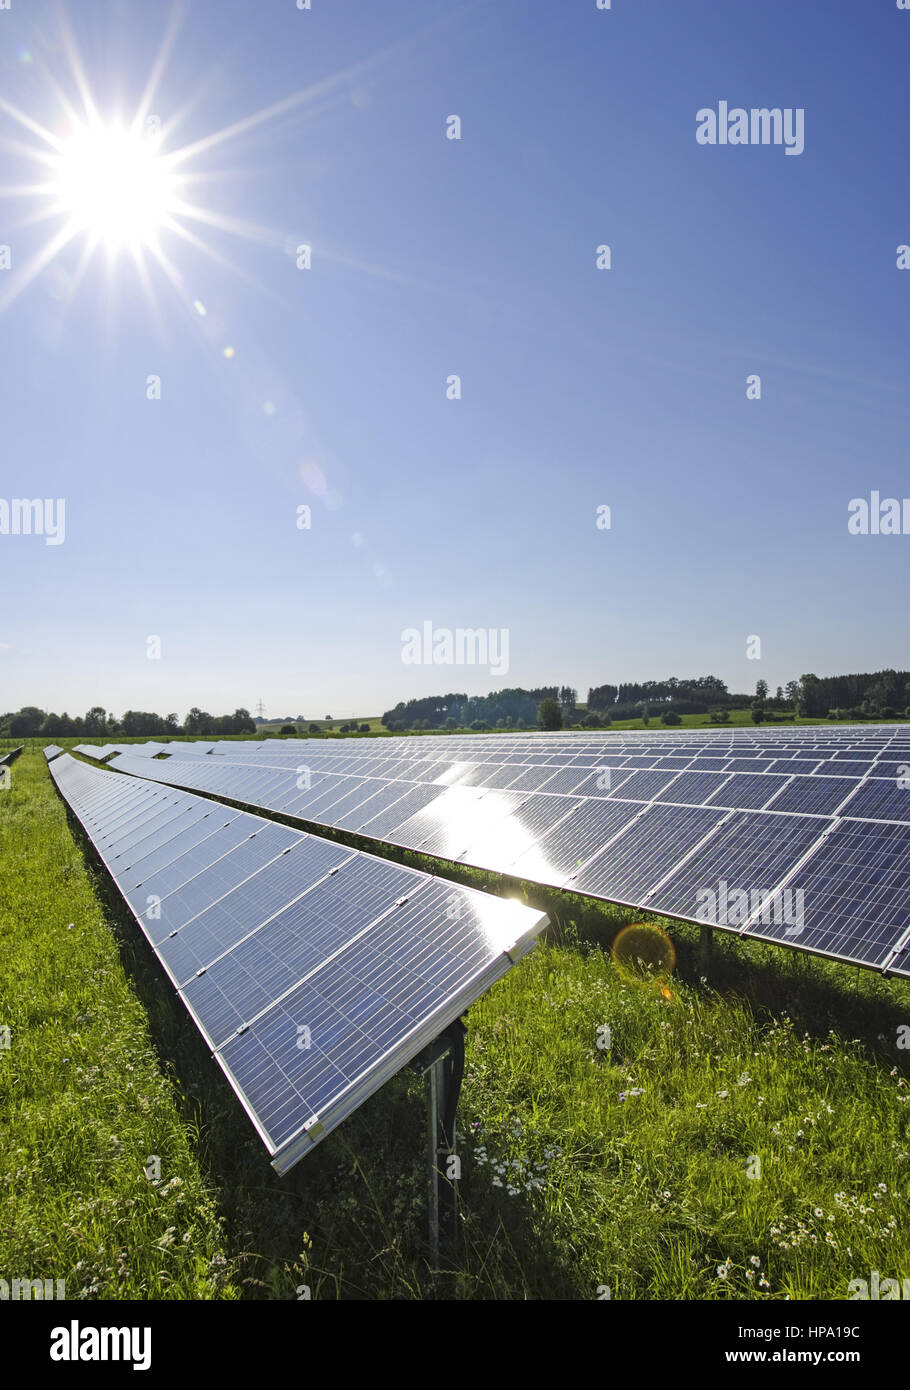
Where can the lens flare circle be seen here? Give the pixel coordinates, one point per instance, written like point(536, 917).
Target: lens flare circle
point(645, 956)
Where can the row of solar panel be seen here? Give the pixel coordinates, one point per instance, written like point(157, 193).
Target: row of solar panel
point(651, 852)
point(313, 971)
point(882, 797)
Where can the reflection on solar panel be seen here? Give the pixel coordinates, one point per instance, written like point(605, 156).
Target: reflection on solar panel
point(314, 971)
point(652, 820)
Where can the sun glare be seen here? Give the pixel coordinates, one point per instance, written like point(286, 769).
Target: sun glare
point(114, 186)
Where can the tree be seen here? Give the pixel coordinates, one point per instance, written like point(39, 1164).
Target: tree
point(96, 720)
point(243, 722)
point(758, 714)
point(602, 696)
point(364, 728)
point(199, 721)
point(549, 715)
point(568, 699)
point(314, 728)
point(644, 712)
point(288, 730)
point(791, 694)
point(670, 716)
point(26, 723)
point(761, 691)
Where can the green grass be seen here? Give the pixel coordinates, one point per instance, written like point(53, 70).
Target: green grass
point(646, 1194)
point(84, 1099)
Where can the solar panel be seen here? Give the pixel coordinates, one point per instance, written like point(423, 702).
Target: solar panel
point(750, 803)
point(315, 971)
point(855, 891)
point(52, 751)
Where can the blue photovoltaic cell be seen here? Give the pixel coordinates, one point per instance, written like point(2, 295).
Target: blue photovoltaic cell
point(794, 765)
point(220, 927)
point(694, 788)
point(564, 849)
point(127, 850)
point(365, 810)
point(512, 835)
point(644, 852)
point(748, 791)
point(412, 800)
point(380, 987)
point(855, 894)
point(880, 799)
point(530, 779)
point(186, 862)
point(746, 765)
point(601, 781)
point(567, 780)
point(192, 835)
point(816, 796)
point(182, 900)
point(748, 854)
point(644, 786)
point(270, 962)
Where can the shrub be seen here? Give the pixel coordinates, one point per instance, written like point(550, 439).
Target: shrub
point(670, 716)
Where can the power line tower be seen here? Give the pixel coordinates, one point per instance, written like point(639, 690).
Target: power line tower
point(260, 709)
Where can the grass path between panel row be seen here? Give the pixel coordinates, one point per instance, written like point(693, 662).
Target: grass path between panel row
point(746, 1133)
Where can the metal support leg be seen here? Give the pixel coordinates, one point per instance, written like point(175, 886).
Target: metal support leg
point(442, 1064)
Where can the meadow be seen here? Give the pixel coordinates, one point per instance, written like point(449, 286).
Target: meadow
point(746, 1133)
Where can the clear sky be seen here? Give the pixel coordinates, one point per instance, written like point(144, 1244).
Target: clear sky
point(431, 257)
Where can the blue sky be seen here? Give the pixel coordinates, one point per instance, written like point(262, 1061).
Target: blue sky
point(431, 256)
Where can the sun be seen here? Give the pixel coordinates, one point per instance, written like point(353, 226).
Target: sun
point(112, 184)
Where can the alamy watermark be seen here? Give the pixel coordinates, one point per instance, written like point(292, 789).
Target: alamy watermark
point(880, 516)
point(760, 125)
point(461, 646)
point(28, 1289)
point(34, 516)
point(878, 1289)
point(724, 906)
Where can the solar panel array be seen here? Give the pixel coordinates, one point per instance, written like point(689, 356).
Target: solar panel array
point(313, 971)
point(52, 751)
point(797, 835)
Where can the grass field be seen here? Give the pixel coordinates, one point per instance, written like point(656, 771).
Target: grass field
point(585, 1168)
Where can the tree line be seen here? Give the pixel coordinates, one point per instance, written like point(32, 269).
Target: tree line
point(512, 708)
point(31, 722)
point(867, 695)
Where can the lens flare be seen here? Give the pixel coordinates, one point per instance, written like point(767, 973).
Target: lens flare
point(645, 956)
